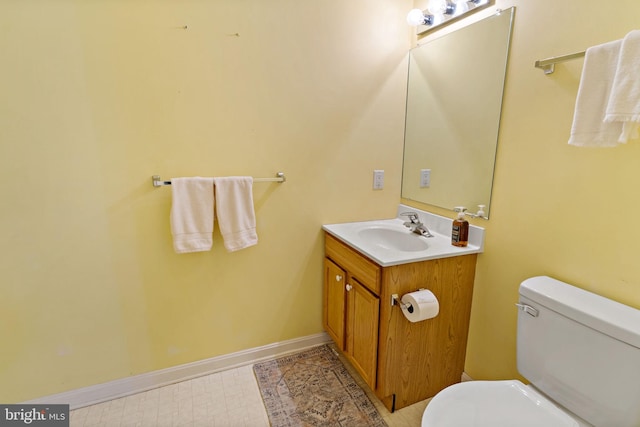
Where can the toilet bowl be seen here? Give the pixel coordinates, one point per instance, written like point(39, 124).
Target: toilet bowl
point(494, 404)
point(580, 353)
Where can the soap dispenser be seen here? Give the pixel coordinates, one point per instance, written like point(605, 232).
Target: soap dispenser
point(460, 228)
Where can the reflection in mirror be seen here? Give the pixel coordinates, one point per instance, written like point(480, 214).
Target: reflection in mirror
point(454, 100)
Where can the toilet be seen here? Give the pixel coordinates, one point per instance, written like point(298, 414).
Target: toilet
point(579, 351)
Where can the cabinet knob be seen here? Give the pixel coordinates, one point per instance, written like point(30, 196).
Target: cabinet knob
point(338, 278)
point(348, 287)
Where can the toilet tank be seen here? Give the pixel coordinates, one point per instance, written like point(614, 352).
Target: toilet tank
point(582, 350)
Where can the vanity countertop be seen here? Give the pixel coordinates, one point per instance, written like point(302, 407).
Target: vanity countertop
point(388, 242)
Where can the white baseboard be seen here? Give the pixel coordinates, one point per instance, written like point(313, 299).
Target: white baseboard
point(98, 393)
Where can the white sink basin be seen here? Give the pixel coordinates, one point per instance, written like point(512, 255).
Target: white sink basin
point(388, 242)
point(392, 238)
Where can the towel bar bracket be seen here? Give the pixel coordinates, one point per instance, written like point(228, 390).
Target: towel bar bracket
point(547, 69)
point(158, 182)
point(548, 65)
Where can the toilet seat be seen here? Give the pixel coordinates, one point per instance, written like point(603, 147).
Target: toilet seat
point(494, 404)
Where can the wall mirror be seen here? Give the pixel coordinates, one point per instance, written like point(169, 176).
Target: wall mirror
point(454, 102)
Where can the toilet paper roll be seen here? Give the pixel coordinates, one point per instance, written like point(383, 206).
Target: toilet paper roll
point(420, 305)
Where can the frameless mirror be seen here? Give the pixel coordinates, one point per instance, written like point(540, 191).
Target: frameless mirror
point(454, 101)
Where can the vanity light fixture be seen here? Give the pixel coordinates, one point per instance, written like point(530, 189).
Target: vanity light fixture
point(439, 12)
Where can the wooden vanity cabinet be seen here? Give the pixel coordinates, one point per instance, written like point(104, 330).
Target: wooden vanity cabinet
point(363, 311)
point(335, 300)
point(402, 362)
point(351, 309)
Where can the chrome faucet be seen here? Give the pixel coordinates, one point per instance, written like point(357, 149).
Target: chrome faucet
point(415, 225)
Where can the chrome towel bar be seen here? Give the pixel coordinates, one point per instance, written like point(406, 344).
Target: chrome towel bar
point(548, 65)
point(158, 182)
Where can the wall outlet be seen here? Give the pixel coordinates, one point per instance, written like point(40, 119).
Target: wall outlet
point(378, 179)
point(425, 178)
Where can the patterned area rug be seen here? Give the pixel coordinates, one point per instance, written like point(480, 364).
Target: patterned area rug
point(313, 388)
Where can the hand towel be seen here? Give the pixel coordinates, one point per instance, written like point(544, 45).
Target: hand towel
point(624, 101)
point(234, 208)
point(192, 214)
point(598, 72)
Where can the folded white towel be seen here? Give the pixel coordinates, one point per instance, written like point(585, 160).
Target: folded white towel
point(234, 208)
point(192, 214)
point(589, 128)
point(624, 101)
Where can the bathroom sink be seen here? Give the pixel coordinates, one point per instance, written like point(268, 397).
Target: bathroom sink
point(388, 242)
point(392, 238)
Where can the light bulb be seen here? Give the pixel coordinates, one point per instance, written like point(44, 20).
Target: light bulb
point(415, 17)
point(437, 6)
point(462, 6)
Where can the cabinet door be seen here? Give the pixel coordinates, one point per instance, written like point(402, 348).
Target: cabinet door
point(363, 310)
point(333, 316)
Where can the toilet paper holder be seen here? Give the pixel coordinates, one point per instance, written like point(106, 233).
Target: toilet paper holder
point(418, 305)
point(395, 300)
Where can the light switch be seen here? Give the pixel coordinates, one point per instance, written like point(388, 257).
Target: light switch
point(378, 179)
point(425, 178)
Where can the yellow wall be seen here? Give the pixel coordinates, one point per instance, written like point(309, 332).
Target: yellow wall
point(556, 210)
point(98, 96)
point(95, 97)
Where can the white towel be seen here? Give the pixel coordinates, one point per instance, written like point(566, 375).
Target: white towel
point(234, 208)
point(192, 214)
point(589, 128)
point(624, 102)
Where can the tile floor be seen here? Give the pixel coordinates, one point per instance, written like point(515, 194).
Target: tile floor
point(225, 399)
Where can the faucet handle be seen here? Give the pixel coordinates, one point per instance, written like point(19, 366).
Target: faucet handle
point(413, 217)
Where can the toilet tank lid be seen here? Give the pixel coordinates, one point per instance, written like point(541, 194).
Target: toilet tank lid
point(597, 312)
